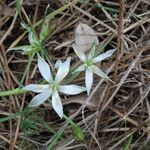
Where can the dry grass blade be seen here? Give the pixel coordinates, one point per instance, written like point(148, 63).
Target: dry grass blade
point(112, 113)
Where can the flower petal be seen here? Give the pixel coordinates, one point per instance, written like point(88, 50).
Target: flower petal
point(80, 69)
point(40, 98)
point(92, 51)
point(44, 69)
point(36, 88)
point(58, 64)
point(79, 53)
point(63, 71)
point(103, 56)
point(71, 89)
point(57, 105)
point(88, 79)
point(100, 73)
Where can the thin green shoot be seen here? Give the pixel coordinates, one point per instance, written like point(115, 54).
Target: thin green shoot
point(128, 142)
point(27, 69)
point(98, 5)
point(55, 138)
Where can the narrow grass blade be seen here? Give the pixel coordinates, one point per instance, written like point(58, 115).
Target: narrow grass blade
point(19, 6)
point(54, 13)
point(128, 143)
point(55, 138)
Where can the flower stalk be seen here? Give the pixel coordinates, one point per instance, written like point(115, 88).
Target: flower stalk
point(12, 92)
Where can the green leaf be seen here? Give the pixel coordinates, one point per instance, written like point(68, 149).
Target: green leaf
point(25, 48)
point(103, 45)
point(128, 143)
point(19, 6)
point(54, 13)
point(32, 37)
point(55, 138)
point(44, 31)
point(25, 26)
point(92, 51)
point(77, 132)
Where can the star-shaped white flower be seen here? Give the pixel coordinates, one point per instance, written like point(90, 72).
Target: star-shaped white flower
point(52, 89)
point(89, 67)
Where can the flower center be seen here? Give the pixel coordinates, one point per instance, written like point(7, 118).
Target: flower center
point(88, 63)
point(54, 86)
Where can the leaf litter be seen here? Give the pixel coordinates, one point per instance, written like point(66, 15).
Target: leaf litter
point(119, 110)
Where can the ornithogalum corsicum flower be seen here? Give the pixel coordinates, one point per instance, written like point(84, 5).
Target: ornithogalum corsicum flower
point(89, 67)
point(52, 89)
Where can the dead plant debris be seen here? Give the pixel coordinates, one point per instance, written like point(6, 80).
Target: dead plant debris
point(114, 116)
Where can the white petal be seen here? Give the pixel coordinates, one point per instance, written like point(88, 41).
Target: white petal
point(80, 69)
point(79, 53)
point(36, 88)
point(92, 52)
point(58, 64)
point(88, 79)
point(63, 71)
point(100, 73)
point(44, 69)
point(71, 89)
point(40, 98)
point(57, 105)
point(103, 56)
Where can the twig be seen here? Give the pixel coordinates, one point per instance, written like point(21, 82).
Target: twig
point(8, 141)
point(19, 117)
point(36, 11)
point(120, 28)
point(123, 78)
point(138, 23)
point(9, 30)
point(92, 17)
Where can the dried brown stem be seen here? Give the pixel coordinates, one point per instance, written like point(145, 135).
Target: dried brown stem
point(120, 29)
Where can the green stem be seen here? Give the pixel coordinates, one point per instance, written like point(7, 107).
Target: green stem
point(12, 92)
point(69, 120)
point(76, 130)
point(27, 69)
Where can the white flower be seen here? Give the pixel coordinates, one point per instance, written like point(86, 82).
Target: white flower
point(53, 87)
point(88, 66)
